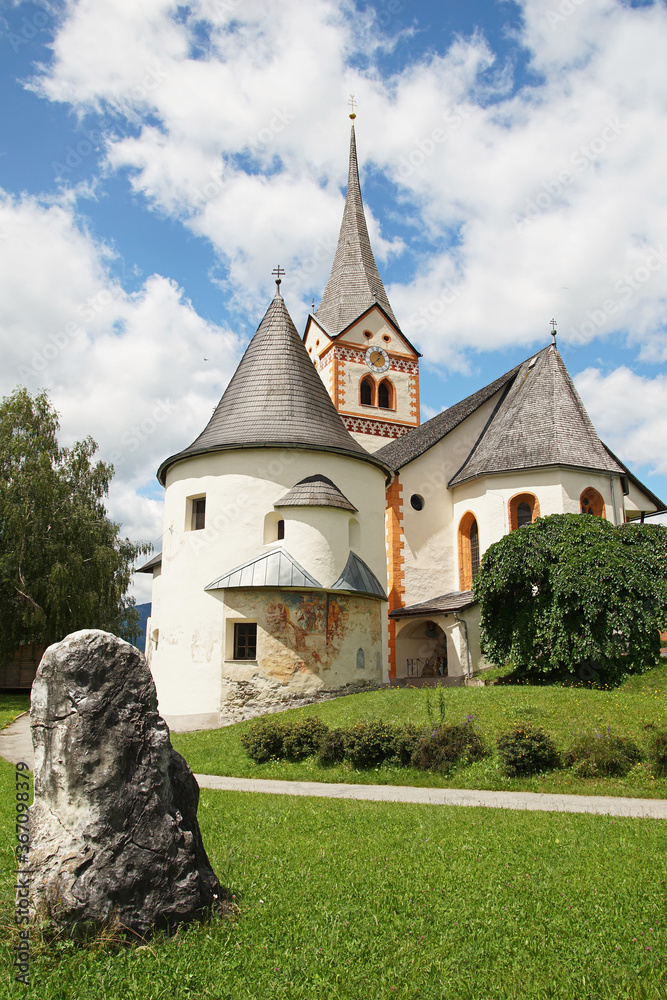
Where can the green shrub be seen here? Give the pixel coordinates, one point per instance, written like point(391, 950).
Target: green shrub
point(602, 755)
point(303, 737)
point(369, 743)
point(660, 755)
point(332, 748)
point(264, 739)
point(446, 746)
point(527, 749)
point(404, 745)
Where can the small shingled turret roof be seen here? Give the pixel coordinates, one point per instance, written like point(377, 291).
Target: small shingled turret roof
point(354, 283)
point(540, 421)
point(315, 491)
point(275, 399)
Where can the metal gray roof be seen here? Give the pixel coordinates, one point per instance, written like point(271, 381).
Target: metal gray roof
point(274, 569)
point(151, 564)
point(359, 577)
point(409, 446)
point(457, 600)
point(354, 283)
point(274, 399)
point(540, 421)
point(315, 491)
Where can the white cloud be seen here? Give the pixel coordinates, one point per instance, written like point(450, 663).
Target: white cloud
point(629, 413)
point(555, 193)
point(127, 369)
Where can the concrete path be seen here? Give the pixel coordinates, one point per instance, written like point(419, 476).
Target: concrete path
point(16, 742)
point(16, 745)
point(602, 805)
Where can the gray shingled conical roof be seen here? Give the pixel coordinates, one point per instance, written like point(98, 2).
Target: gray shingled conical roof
point(275, 398)
point(315, 491)
point(354, 283)
point(540, 421)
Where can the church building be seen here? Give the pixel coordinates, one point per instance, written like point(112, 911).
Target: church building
point(318, 537)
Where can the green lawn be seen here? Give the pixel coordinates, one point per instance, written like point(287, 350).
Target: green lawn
point(358, 900)
point(12, 705)
point(638, 708)
point(341, 900)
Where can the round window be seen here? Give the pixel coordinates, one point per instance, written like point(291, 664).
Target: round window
point(416, 501)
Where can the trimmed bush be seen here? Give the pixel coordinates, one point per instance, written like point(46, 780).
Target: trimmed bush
point(660, 755)
point(527, 749)
point(332, 748)
point(602, 755)
point(303, 737)
point(404, 745)
point(264, 739)
point(447, 746)
point(369, 743)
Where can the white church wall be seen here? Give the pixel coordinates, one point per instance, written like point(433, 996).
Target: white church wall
point(430, 553)
point(241, 487)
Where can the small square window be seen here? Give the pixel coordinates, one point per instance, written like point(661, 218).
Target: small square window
point(198, 514)
point(245, 640)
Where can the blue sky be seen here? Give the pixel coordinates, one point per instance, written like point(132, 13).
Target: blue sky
point(157, 160)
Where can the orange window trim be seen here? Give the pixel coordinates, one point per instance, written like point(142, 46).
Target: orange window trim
point(465, 560)
point(592, 500)
point(513, 505)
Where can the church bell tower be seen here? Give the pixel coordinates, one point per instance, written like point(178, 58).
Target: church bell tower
point(369, 367)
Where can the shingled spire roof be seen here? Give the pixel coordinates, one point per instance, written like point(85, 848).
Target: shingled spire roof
point(354, 283)
point(275, 399)
point(540, 421)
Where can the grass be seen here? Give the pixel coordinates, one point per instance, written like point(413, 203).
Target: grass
point(349, 900)
point(637, 708)
point(12, 705)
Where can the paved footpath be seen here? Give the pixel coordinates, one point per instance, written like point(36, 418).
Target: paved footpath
point(16, 744)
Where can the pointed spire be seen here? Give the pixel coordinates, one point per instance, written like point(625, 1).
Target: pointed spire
point(354, 283)
point(275, 398)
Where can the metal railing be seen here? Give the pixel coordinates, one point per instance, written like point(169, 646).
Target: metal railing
point(434, 666)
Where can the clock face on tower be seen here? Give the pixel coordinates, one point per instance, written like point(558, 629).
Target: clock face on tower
point(377, 359)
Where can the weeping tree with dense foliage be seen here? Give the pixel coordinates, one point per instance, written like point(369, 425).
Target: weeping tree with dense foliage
point(63, 564)
point(573, 594)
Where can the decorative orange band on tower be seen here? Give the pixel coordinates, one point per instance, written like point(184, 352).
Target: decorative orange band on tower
point(395, 569)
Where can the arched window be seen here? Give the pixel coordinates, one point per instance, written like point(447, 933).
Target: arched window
point(591, 502)
point(386, 395)
point(469, 550)
point(524, 508)
point(366, 391)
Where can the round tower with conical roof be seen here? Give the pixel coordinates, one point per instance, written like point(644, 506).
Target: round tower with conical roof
point(272, 579)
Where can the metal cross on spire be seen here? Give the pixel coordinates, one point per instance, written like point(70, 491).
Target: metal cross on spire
point(278, 271)
point(552, 324)
point(353, 105)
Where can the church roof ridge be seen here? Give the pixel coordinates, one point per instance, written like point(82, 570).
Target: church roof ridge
point(406, 448)
point(274, 399)
point(354, 282)
point(540, 421)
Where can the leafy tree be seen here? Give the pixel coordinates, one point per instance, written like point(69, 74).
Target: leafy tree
point(63, 565)
point(573, 594)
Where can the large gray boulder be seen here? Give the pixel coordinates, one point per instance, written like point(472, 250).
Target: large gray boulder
point(113, 827)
